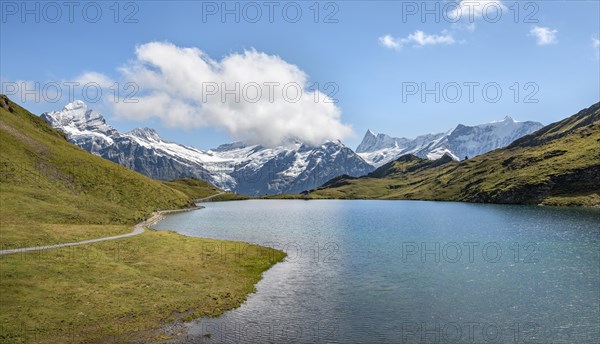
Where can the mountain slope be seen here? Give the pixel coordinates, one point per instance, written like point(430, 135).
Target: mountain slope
point(559, 164)
point(460, 142)
point(249, 169)
point(44, 179)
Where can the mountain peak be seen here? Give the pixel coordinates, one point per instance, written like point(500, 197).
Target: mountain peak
point(76, 114)
point(373, 141)
point(508, 119)
point(83, 126)
point(145, 133)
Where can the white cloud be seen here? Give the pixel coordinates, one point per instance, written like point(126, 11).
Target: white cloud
point(419, 38)
point(462, 15)
point(185, 88)
point(595, 42)
point(544, 35)
point(469, 10)
point(389, 42)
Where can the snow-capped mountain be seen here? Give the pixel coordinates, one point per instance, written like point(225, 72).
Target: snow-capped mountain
point(250, 169)
point(141, 149)
point(460, 142)
point(289, 168)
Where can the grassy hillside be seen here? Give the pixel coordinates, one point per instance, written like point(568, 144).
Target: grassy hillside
point(230, 196)
point(197, 189)
point(115, 291)
point(46, 180)
point(557, 165)
point(193, 188)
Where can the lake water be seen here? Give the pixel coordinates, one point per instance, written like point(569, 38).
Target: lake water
point(408, 272)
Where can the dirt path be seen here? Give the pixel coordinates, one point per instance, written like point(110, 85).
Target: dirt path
point(138, 229)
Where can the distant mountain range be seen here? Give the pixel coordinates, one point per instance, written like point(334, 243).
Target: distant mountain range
point(556, 165)
point(248, 169)
point(460, 142)
point(291, 167)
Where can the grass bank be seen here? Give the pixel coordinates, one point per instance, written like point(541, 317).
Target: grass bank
point(125, 289)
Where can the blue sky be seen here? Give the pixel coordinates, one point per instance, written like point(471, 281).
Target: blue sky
point(548, 51)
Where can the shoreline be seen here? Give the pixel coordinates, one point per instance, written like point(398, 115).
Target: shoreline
point(159, 215)
point(302, 197)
